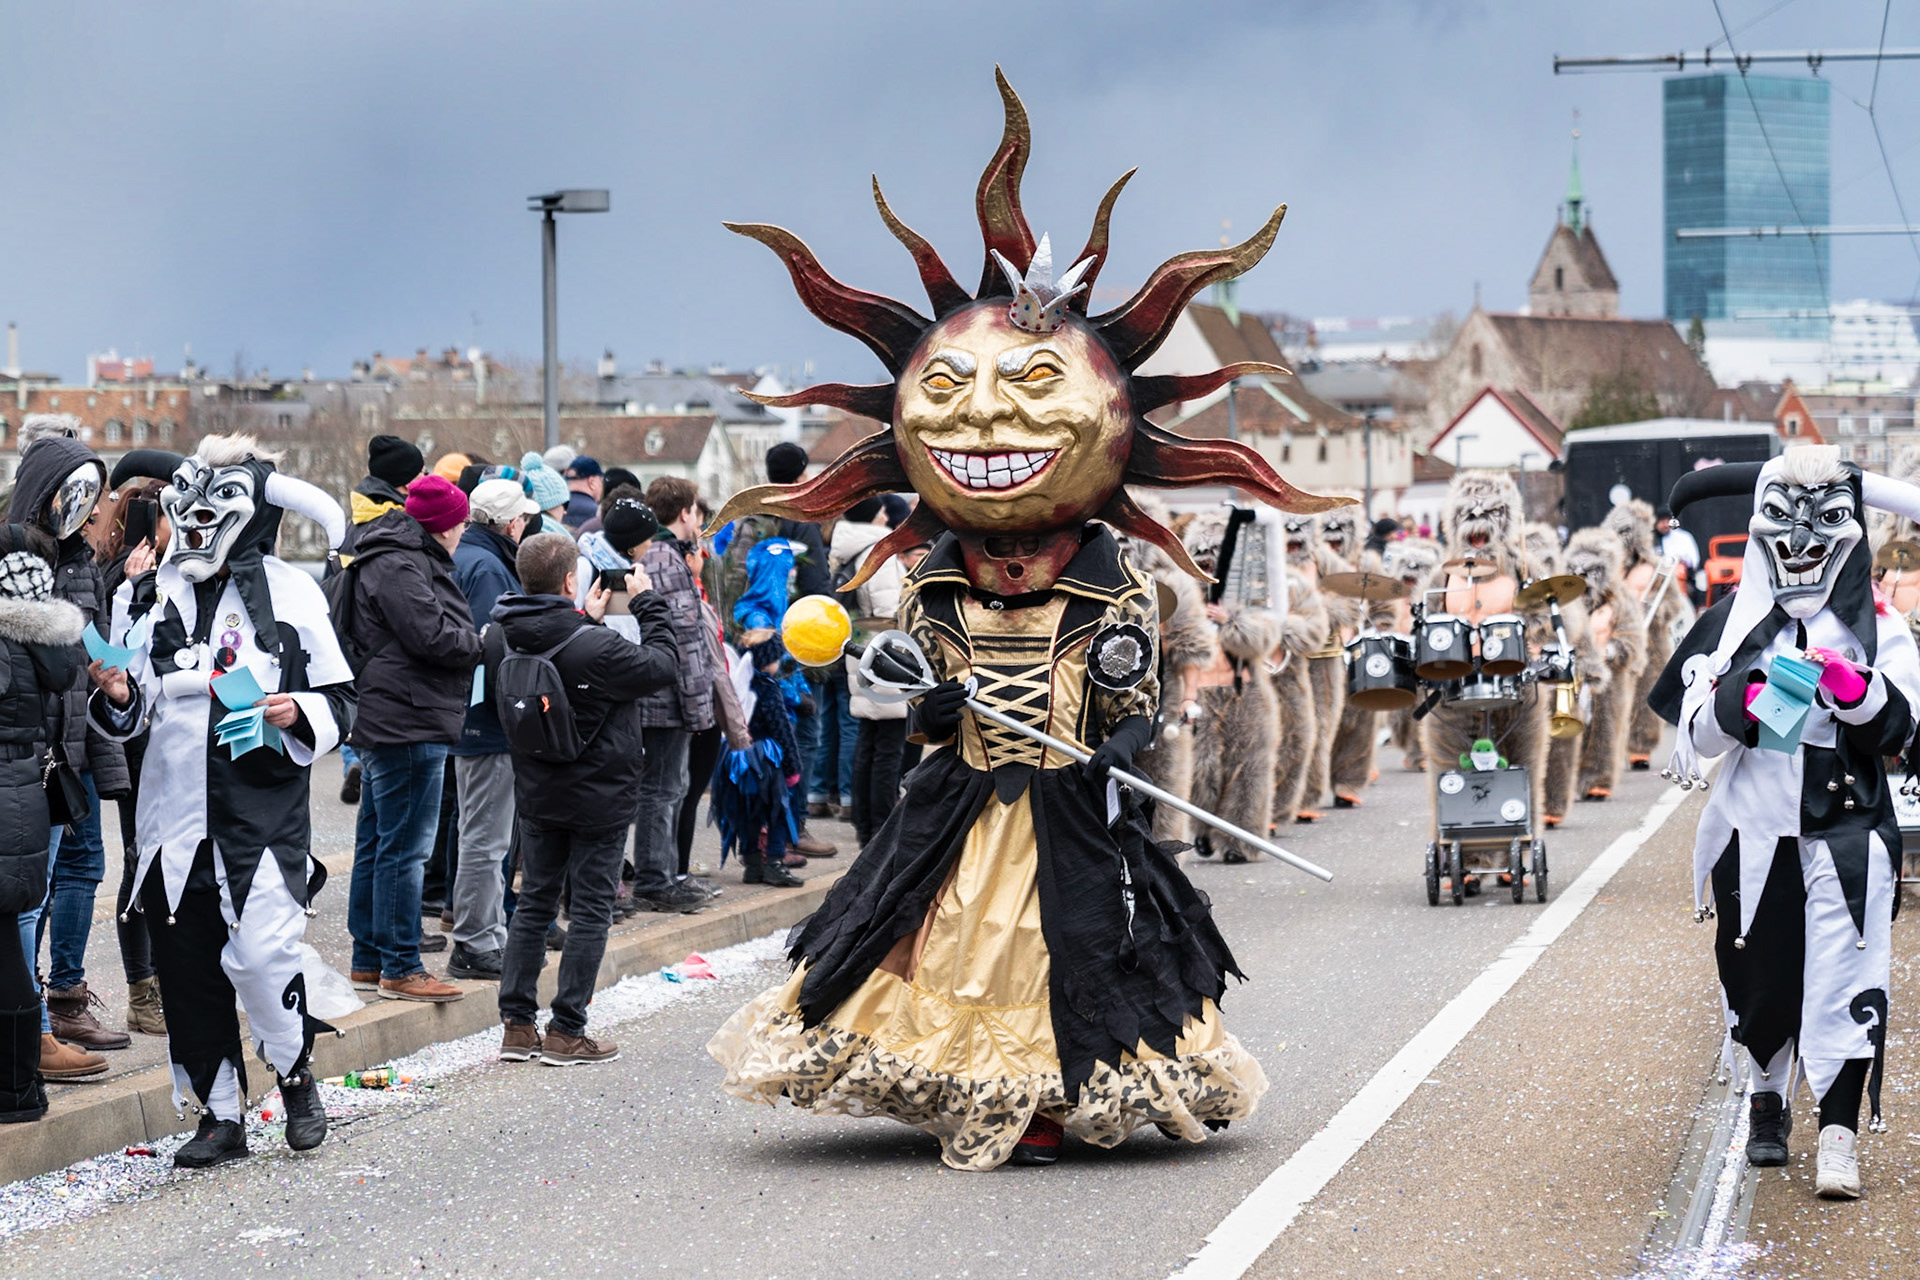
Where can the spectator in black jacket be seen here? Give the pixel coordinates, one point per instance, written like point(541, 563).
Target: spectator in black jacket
point(40, 651)
point(573, 814)
point(412, 622)
point(54, 491)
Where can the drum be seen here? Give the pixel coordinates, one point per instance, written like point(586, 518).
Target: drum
point(1503, 644)
point(1380, 672)
point(1444, 648)
point(1485, 693)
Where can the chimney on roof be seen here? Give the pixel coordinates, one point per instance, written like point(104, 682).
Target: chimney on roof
point(608, 366)
point(13, 350)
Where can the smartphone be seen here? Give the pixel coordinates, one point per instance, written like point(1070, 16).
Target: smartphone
point(613, 579)
point(142, 518)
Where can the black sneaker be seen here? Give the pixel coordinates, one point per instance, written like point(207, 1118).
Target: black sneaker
point(214, 1142)
point(1770, 1124)
point(556, 937)
point(776, 876)
point(753, 871)
point(483, 966)
point(306, 1118)
point(677, 898)
point(432, 942)
point(702, 884)
point(350, 786)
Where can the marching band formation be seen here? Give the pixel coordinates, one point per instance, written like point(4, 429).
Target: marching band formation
point(1511, 670)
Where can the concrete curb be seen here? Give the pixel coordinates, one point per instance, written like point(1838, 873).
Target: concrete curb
point(138, 1108)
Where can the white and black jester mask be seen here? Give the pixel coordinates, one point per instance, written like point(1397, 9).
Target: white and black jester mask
point(210, 509)
point(1807, 521)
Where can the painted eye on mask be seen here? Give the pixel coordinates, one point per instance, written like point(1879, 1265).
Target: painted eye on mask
point(1836, 516)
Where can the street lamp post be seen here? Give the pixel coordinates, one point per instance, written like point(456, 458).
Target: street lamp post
point(1366, 447)
point(572, 200)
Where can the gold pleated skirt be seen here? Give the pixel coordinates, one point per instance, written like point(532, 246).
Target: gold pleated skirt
point(953, 1034)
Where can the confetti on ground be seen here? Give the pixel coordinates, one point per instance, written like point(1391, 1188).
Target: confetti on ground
point(84, 1188)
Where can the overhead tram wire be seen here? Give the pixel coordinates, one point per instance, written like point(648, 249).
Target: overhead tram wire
point(1873, 118)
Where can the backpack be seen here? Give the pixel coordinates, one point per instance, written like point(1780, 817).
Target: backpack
point(731, 574)
point(338, 588)
point(531, 699)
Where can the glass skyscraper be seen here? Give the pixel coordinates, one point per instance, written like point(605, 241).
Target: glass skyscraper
point(1719, 174)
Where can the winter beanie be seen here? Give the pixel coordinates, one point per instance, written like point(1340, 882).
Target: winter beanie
point(547, 488)
point(393, 460)
point(628, 523)
point(436, 504)
point(786, 462)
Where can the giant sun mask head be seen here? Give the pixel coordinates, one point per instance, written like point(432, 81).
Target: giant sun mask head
point(1006, 431)
point(1015, 414)
point(1806, 524)
point(208, 508)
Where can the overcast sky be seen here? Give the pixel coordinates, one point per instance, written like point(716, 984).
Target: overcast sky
point(306, 183)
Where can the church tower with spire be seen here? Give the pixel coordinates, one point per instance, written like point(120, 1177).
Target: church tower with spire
point(1573, 278)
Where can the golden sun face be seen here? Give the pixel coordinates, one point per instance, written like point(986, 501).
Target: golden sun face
point(1002, 430)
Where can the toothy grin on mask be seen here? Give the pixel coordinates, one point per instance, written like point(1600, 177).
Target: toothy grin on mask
point(1802, 572)
point(990, 471)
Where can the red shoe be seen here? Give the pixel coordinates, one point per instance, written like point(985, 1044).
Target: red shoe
point(1598, 793)
point(1342, 800)
point(1552, 819)
point(1307, 815)
point(1040, 1144)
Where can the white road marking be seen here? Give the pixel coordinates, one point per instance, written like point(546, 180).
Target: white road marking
point(1246, 1233)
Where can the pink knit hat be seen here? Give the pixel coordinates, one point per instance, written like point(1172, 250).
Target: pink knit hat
point(436, 504)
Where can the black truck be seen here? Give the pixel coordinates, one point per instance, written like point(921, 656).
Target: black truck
point(1648, 457)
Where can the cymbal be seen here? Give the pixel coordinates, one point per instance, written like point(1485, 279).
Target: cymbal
point(1471, 569)
point(1365, 585)
point(1897, 555)
point(1564, 588)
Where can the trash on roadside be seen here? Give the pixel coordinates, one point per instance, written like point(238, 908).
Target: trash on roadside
point(372, 1078)
point(695, 966)
point(139, 1151)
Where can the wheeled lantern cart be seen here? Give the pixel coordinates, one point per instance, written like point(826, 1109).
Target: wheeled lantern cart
point(1486, 823)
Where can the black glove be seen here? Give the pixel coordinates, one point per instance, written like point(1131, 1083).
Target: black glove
point(939, 710)
point(1128, 738)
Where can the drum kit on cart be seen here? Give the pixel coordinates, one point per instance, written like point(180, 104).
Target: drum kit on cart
point(1484, 816)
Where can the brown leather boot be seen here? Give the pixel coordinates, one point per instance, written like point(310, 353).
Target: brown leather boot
point(74, 1022)
point(64, 1063)
point(145, 1013)
point(814, 847)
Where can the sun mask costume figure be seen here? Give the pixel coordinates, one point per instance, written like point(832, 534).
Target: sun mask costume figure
point(1001, 962)
point(225, 874)
point(1799, 839)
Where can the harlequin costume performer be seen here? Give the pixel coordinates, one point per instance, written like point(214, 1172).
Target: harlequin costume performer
point(225, 871)
point(1000, 963)
point(1799, 839)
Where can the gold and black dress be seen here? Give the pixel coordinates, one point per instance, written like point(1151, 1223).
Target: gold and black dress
point(1011, 942)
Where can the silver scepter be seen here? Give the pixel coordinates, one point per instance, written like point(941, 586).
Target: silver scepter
point(898, 650)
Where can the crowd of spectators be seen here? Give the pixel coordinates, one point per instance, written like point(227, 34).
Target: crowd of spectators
point(468, 580)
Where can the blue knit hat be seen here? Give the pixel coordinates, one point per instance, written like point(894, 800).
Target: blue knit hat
point(546, 487)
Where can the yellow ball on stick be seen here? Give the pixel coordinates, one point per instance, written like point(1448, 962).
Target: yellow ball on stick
point(816, 630)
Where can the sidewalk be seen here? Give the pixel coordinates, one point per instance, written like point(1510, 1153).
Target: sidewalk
point(133, 1102)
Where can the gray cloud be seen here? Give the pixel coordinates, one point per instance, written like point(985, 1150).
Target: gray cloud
point(309, 182)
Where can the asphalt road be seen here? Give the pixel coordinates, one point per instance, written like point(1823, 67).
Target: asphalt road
point(643, 1167)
